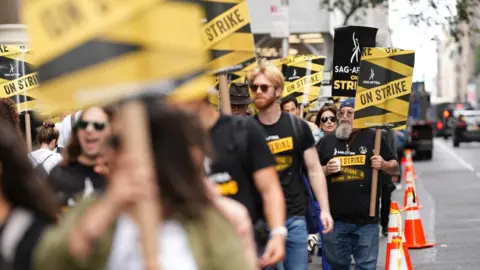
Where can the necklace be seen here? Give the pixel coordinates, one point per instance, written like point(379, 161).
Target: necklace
point(347, 144)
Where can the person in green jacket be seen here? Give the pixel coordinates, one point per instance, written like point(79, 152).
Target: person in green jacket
point(102, 233)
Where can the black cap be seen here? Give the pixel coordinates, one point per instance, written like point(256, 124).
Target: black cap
point(239, 94)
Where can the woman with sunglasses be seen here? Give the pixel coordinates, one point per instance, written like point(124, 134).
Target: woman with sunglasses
point(103, 233)
point(327, 119)
point(76, 175)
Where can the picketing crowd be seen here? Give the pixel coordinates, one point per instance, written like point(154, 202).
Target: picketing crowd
point(236, 191)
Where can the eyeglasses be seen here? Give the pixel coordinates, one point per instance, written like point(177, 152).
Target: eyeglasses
point(263, 87)
point(332, 119)
point(98, 126)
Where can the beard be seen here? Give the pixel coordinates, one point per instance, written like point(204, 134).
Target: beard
point(265, 102)
point(344, 131)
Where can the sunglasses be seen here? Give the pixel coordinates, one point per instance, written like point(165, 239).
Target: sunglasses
point(98, 126)
point(263, 87)
point(332, 119)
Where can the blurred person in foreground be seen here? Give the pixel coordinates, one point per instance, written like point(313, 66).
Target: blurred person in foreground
point(76, 174)
point(26, 206)
point(239, 99)
point(9, 113)
point(348, 161)
point(291, 141)
point(242, 168)
point(103, 233)
point(45, 158)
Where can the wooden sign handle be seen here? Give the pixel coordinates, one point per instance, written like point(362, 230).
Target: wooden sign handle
point(373, 194)
point(28, 131)
point(224, 94)
point(137, 143)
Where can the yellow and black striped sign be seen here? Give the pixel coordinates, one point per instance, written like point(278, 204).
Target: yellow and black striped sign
point(227, 35)
point(17, 70)
point(25, 103)
point(94, 52)
point(303, 77)
point(33, 100)
point(384, 87)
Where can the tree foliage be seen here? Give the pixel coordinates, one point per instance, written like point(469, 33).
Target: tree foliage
point(351, 8)
point(454, 20)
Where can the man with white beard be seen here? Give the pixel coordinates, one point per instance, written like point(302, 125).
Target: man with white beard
point(348, 161)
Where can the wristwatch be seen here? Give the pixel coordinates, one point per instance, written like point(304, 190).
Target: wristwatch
point(282, 230)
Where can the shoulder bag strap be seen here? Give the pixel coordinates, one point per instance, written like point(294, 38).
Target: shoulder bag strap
point(46, 159)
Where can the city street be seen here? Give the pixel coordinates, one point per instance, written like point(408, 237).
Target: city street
point(448, 187)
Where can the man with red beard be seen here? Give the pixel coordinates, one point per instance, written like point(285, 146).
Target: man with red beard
point(292, 143)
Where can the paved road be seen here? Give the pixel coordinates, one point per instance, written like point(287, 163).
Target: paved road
point(449, 191)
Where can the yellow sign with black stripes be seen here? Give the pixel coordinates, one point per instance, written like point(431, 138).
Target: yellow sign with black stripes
point(227, 35)
point(95, 52)
point(17, 70)
point(383, 94)
point(303, 77)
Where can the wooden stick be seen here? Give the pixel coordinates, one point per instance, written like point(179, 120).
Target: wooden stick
point(28, 131)
point(224, 94)
point(302, 108)
point(137, 143)
point(373, 194)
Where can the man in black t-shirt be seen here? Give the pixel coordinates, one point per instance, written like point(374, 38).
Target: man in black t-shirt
point(348, 160)
point(77, 175)
point(292, 143)
point(243, 169)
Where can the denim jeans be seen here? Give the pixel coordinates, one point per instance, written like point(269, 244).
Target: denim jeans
point(350, 239)
point(296, 257)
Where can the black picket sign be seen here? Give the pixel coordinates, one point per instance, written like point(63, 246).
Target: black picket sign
point(347, 50)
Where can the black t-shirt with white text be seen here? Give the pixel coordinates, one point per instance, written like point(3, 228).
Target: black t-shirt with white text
point(349, 190)
point(288, 152)
point(75, 179)
point(232, 175)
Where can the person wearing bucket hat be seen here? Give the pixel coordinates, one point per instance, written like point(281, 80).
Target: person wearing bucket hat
point(239, 98)
point(348, 160)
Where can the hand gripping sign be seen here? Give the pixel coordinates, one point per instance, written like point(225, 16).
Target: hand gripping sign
point(95, 52)
point(384, 87)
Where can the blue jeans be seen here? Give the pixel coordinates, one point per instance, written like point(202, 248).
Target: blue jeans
point(296, 257)
point(350, 239)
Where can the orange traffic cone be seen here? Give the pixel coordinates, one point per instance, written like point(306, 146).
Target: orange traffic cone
point(409, 163)
point(398, 257)
point(410, 194)
point(414, 235)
